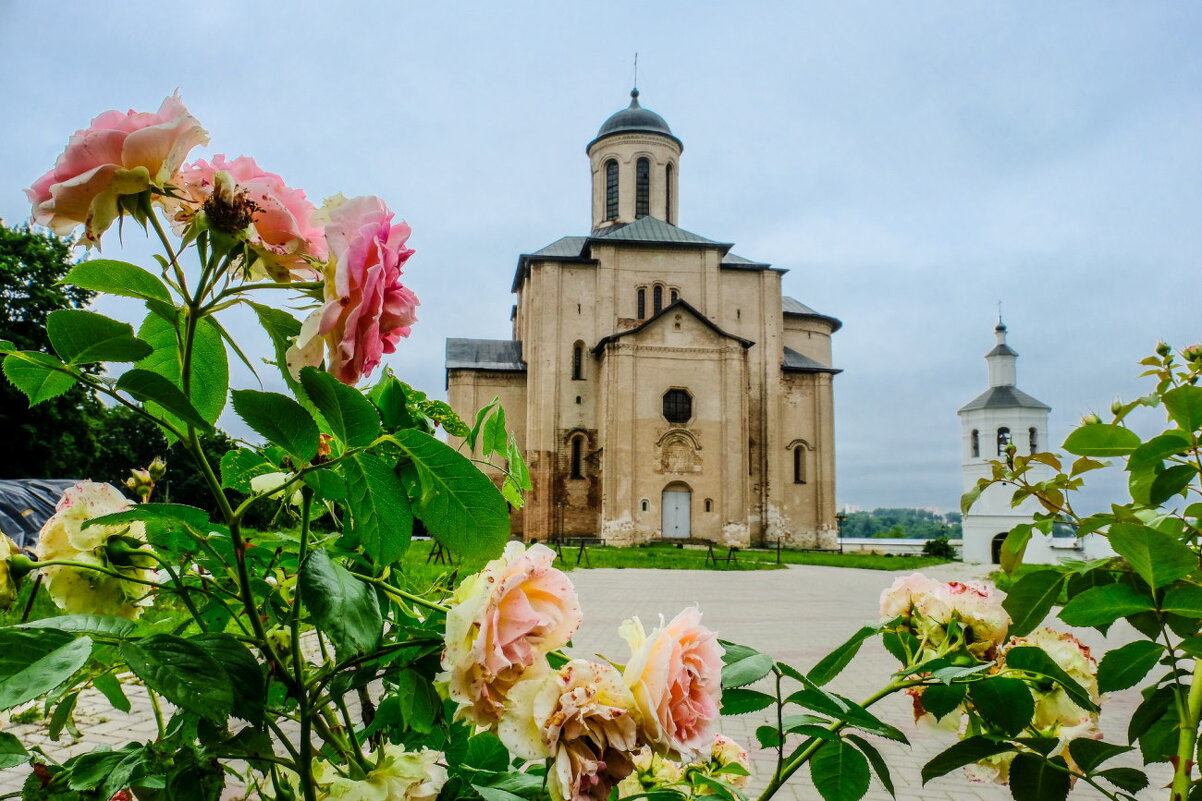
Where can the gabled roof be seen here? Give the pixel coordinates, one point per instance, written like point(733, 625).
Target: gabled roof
point(795, 308)
point(1005, 397)
point(678, 305)
point(795, 362)
point(1001, 350)
point(567, 247)
point(653, 230)
point(485, 354)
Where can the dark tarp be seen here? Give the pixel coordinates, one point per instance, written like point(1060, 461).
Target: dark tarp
point(27, 503)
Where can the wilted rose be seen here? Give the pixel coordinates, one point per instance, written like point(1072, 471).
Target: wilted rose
point(399, 775)
point(675, 677)
point(503, 622)
point(119, 154)
point(584, 718)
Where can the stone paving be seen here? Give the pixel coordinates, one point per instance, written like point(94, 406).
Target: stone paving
point(796, 615)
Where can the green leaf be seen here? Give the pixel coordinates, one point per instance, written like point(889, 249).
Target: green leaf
point(82, 337)
point(1184, 405)
point(1171, 482)
point(419, 701)
point(34, 662)
point(1154, 706)
point(485, 751)
point(1033, 778)
point(740, 702)
point(969, 498)
point(1088, 753)
point(879, 766)
point(209, 364)
point(283, 329)
point(1101, 606)
point(351, 417)
point(1155, 450)
point(62, 715)
point(243, 670)
point(1004, 703)
point(388, 396)
point(342, 606)
point(460, 506)
point(151, 387)
point(12, 753)
point(117, 278)
point(747, 670)
point(1124, 667)
point(1102, 439)
point(840, 772)
point(1031, 598)
point(1014, 547)
point(240, 465)
point(183, 673)
point(1185, 601)
point(281, 420)
point(33, 373)
point(94, 625)
point(965, 752)
point(1158, 558)
point(941, 699)
point(381, 519)
point(833, 663)
point(495, 436)
point(1130, 779)
point(327, 485)
point(495, 794)
point(111, 689)
point(1028, 657)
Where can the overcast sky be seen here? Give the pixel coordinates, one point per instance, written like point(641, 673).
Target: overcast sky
point(911, 164)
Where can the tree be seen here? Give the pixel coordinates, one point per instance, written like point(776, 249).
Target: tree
point(54, 439)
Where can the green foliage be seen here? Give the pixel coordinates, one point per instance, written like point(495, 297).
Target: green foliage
point(902, 523)
point(939, 547)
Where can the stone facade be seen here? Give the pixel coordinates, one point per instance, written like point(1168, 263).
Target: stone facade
point(659, 385)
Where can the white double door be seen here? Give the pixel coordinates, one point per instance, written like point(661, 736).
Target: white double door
point(677, 508)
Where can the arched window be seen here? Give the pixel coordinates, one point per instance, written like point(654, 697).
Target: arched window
point(709, 504)
point(611, 190)
point(1003, 439)
point(673, 296)
point(799, 465)
point(578, 361)
point(577, 457)
point(657, 299)
point(642, 302)
point(678, 406)
point(976, 443)
point(642, 188)
point(1033, 439)
point(668, 194)
point(645, 504)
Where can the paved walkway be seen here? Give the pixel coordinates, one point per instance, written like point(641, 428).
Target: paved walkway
point(796, 615)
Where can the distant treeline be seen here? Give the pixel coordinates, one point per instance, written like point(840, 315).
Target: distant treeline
point(918, 524)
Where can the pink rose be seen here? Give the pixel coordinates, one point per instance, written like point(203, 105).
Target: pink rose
point(584, 718)
point(282, 231)
point(928, 607)
point(676, 678)
point(367, 309)
point(504, 621)
point(120, 154)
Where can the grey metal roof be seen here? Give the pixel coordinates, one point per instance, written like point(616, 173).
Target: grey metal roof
point(565, 247)
point(1001, 350)
point(795, 362)
point(737, 262)
point(793, 306)
point(1003, 398)
point(634, 118)
point(485, 354)
point(653, 229)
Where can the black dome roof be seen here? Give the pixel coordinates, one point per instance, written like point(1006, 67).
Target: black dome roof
point(634, 118)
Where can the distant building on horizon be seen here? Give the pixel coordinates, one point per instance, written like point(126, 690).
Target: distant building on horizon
point(1000, 416)
point(659, 385)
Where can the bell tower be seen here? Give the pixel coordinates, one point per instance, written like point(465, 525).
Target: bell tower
point(634, 161)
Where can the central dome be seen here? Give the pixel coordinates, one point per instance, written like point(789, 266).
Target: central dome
point(634, 118)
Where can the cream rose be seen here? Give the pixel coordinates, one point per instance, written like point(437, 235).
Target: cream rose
point(726, 752)
point(675, 677)
point(503, 622)
point(1054, 709)
point(584, 718)
point(399, 775)
point(8, 587)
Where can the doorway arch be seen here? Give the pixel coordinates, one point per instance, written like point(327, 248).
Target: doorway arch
point(995, 548)
point(677, 511)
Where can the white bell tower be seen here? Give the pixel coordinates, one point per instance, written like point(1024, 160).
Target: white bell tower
point(1001, 415)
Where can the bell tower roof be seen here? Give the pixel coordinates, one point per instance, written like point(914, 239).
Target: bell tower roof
point(634, 119)
point(1002, 392)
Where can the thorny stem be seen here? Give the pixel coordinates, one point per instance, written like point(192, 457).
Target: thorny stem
point(1187, 735)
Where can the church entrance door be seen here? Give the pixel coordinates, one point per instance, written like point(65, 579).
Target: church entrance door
point(677, 506)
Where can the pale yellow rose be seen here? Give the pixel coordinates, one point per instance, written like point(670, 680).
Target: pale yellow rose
point(398, 775)
point(727, 752)
point(584, 718)
point(503, 622)
point(1055, 709)
point(8, 587)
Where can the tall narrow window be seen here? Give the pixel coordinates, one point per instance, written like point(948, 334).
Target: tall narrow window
point(976, 443)
point(657, 299)
point(1003, 440)
point(578, 361)
point(642, 302)
point(668, 195)
point(611, 190)
point(799, 465)
point(577, 457)
point(642, 188)
point(673, 295)
point(1033, 439)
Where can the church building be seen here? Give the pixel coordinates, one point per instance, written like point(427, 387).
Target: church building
point(660, 385)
